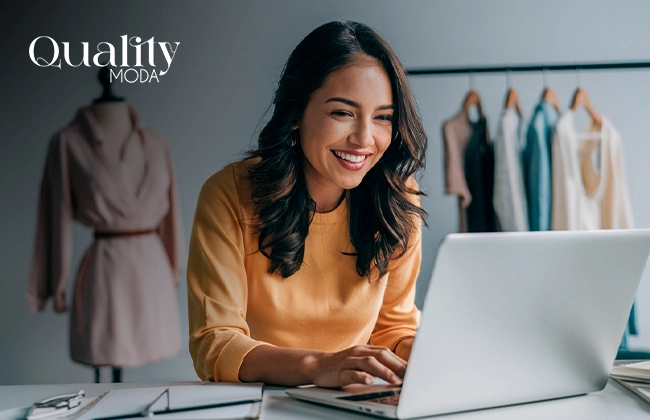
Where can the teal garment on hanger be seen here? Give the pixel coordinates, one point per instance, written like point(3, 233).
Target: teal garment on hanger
point(630, 327)
point(629, 330)
point(536, 159)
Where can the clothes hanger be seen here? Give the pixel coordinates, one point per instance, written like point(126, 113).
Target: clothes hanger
point(548, 94)
point(581, 98)
point(512, 97)
point(512, 100)
point(472, 98)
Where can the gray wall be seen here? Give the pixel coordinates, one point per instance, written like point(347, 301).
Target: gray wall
point(221, 82)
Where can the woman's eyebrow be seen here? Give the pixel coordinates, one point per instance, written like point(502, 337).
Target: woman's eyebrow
point(356, 104)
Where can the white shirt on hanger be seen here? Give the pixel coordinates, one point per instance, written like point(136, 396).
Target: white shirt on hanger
point(509, 197)
point(587, 197)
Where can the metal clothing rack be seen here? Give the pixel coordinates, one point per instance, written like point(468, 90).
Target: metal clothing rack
point(623, 351)
point(528, 68)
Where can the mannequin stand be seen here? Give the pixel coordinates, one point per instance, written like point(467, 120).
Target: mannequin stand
point(117, 375)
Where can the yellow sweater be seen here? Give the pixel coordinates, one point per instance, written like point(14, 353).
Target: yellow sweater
point(236, 305)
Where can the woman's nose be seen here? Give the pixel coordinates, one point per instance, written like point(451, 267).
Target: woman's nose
point(363, 135)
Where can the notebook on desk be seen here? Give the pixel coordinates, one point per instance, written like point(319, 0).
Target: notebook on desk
point(207, 401)
point(510, 318)
point(635, 377)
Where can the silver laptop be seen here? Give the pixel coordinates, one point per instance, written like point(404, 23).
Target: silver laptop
point(511, 318)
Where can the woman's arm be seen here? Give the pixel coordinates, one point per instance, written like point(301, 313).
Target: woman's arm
point(399, 317)
point(217, 286)
point(291, 367)
point(220, 342)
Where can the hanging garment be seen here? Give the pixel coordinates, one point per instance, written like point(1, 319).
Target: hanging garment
point(469, 171)
point(589, 181)
point(536, 158)
point(124, 309)
point(509, 196)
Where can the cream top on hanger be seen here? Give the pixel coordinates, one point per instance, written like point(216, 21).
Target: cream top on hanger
point(588, 196)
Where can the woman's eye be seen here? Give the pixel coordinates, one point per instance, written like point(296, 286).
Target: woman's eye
point(341, 113)
point(385, 117)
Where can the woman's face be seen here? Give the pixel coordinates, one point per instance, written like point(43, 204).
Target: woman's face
point(346, 127)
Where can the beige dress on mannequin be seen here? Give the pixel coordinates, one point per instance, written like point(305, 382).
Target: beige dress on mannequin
point(120, 182)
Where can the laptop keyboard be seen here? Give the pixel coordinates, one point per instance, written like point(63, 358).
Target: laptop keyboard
point(384, 397)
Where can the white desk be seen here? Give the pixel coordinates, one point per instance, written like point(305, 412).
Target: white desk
point(614, 402)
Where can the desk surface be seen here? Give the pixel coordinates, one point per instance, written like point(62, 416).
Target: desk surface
point(614, 402)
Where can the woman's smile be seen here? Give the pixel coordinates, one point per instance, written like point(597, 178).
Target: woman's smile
point(351, 160)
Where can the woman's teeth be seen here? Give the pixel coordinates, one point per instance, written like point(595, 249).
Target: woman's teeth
point(350, 158)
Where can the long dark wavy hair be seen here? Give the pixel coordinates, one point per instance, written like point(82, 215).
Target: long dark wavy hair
point(381, 215)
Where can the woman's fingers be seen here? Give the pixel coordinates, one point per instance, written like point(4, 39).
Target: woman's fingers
point(385, 356)
point(384, 350)
point(351, 376)
point(359, 365)
point(371, 365)
point(392, 361)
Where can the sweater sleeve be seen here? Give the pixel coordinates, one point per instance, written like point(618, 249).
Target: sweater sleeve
point(399, 317)
point(170, 229)
point(217, 283)
point(53, 245)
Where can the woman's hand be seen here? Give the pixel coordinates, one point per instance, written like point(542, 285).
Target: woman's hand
point(357, 364)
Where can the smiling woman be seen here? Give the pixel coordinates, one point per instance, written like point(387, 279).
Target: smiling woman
point(304, 256)
point(343, 138)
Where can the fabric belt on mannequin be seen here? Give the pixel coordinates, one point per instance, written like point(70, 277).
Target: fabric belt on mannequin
point(124, 233)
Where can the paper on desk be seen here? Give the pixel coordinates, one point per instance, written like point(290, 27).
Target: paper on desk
point(635, 371)
point(644, 391)
point(243, 411)
point(639, 388)
point(135, 400)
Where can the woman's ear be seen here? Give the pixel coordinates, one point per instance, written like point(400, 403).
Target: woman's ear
point(295, 125)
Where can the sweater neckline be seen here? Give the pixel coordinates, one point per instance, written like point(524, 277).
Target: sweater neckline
point(331, 217)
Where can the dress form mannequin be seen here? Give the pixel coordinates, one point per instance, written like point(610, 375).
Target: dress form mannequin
point(120, 145)
point(108, 172)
